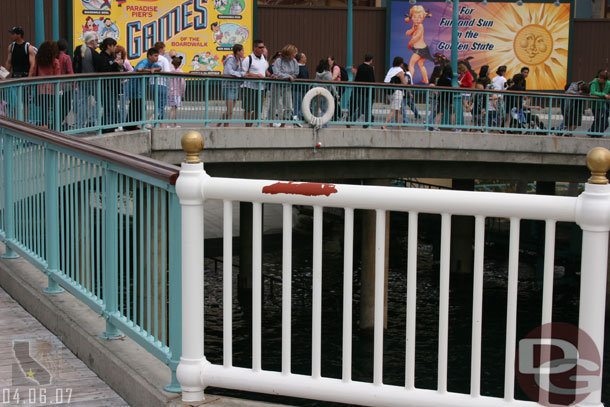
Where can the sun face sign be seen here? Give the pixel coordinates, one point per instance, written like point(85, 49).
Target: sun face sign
point(533, 44)
point(532, 35)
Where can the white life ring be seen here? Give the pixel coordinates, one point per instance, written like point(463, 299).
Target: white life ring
point(318, 121)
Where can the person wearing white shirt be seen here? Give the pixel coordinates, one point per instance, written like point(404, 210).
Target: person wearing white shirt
point(162, 82)
point(254, 67)
point(499, 83)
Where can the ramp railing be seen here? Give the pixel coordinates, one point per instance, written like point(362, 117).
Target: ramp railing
point(99, 223)
point(102, 103)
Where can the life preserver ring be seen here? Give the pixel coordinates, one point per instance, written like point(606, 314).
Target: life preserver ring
point(318, 121)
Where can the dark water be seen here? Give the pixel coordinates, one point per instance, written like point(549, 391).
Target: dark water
point(566, 294)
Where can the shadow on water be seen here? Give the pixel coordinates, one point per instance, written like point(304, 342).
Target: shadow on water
point(566, 293)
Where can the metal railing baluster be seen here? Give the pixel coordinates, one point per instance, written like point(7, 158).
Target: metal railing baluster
point(477, 307)
point(411, 300)
point(257, 226)
point(316, 302)
point(443, 319)
point(286, 288)
point(227, 279)
point(511, 310)
point(8, 196)
point(379, 305)
point(175, 290)
point(547, 301)
point(52, 218)
point(348, 281)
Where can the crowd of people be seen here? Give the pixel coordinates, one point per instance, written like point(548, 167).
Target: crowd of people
point(502, 110)
point(498, 110)
point(51, 59)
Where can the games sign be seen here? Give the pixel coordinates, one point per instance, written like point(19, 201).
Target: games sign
point(535, 35)
point(201, 32)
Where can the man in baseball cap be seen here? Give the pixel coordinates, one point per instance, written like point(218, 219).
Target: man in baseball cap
point(17, 30)
point(20, 54)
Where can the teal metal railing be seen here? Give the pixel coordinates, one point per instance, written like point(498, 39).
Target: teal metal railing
point(101, 224)
point(86, 103)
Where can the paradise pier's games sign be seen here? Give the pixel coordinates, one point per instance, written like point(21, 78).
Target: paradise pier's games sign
point(535, 35)
point(201, 32)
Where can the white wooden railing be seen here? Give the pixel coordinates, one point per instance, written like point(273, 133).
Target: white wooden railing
point(591, 211)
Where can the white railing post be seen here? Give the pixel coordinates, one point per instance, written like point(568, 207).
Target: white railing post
point(593, 216)
point(189, 188)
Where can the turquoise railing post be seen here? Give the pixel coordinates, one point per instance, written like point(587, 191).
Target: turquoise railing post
point(9, 208)
point(207, 103)
point(175, 289)
point(20, 113)
point(259, 103)
point(110, 250)
point(38, 22)
point(51, 218)
point(548, 126)
point(55, 14)
point(486, 115)
point(369, 107)
point(458, 109)
point(143, 100)
point(156, 116)
point(99, 100)
point(428, 112)
point(56, 108)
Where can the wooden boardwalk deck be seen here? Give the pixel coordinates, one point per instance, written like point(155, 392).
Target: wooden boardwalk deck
point(36, 369)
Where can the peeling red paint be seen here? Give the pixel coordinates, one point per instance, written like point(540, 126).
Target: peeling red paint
point(300, 188)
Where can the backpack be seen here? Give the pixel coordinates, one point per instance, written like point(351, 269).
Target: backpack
point(27, 50)
point(344, 76)
point(409, 78)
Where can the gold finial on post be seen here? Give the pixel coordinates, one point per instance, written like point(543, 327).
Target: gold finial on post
point(192, 144)
point(598, 162)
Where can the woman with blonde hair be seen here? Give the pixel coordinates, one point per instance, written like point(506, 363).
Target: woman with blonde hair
point(285, 67)
point(84, 55)
point(421, 52)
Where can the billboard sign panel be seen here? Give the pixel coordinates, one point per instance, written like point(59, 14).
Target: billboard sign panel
point(535, 35)
point(201, 32)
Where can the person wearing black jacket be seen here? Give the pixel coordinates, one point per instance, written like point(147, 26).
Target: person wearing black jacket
point(107, 62)
point(446, 114)
point(360, 103)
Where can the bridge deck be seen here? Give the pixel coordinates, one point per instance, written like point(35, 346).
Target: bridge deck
point(36, 369)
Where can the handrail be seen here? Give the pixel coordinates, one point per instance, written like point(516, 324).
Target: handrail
point(94, 204)
point(99, 103)
point(188, 75)
point(146, 165)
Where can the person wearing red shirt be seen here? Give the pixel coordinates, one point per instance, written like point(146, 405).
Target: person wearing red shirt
point(45, 64)
point(465, 80)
